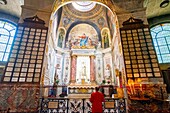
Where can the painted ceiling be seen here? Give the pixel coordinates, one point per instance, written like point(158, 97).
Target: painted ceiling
point(13, 7)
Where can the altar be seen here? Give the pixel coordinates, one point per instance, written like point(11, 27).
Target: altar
point(82, 73)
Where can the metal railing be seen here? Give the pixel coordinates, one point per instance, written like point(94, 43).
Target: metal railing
point(79, 105)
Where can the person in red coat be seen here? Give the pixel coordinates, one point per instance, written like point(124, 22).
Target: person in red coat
point(96, 99)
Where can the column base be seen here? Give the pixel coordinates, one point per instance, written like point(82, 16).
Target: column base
point(93, 83)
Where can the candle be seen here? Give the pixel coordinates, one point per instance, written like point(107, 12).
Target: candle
point(141, 87)
point(131, 89)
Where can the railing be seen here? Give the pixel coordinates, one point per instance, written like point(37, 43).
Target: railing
point(79, 105)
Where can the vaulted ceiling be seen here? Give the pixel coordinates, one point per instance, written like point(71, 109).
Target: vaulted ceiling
point(13, 7)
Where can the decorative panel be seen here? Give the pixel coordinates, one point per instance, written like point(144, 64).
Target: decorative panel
point(26, 58)
point(139, 54)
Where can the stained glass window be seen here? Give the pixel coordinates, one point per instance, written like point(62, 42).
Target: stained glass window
point(161, 40)
point(7, 32)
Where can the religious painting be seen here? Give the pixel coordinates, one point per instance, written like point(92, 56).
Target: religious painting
point(66, 21)
point(82, 36)
point(61, 36)
point(101, 21)
point(106, 41)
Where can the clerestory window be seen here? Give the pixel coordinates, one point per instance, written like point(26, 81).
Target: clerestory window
point(7, 32)
point(161, 40)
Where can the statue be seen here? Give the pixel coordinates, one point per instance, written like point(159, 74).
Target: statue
point(99, 45)
point(56, 80)
point(107, 72)
point(83, 74)
point(83, 71)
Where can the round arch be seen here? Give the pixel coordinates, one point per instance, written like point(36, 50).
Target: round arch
point(106, 3)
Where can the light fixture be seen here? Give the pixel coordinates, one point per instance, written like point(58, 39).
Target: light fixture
point(3, 2)
point(164, 3)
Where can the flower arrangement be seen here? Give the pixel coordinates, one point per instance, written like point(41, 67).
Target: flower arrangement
point(57, 81)
point(103, 81)
point(108, 81)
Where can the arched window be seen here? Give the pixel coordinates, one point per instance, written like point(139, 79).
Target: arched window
point(7, 32)
point(161, 40)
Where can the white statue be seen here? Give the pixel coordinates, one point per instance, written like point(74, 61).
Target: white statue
point(83, 70)
point(107, 72)
point(99, 45)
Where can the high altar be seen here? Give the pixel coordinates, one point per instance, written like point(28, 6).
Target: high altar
point(84, 67)
point(82, 71)
point(85, 59)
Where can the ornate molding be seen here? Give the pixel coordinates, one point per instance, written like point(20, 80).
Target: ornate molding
point(84, 15)
point(34, 21)
point(60, 3)
point(133, 23)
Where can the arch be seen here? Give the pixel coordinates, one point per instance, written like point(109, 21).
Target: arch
point(106, 3)
point(81, 22)
point(58, 4)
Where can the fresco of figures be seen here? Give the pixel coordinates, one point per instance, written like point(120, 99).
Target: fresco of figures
point(106, 40)
point(83, 35)
point(61, 36)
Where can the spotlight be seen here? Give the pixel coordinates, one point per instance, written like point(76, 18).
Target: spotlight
point(164, 4)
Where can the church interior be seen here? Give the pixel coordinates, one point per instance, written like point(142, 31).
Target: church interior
point(53, 53)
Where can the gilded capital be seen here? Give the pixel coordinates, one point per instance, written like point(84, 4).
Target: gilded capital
point(92, 56)
point(74, 56)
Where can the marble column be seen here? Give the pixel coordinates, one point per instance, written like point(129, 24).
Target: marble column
point(92, 69)
point(73, 69)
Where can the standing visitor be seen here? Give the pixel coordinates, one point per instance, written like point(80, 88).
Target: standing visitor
point(96, 99)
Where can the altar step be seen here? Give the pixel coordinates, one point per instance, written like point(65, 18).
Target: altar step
point(81, 89)
point(74, 96)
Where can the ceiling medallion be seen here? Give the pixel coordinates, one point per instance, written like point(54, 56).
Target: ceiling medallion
point(164, 4)
point(3, 2)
